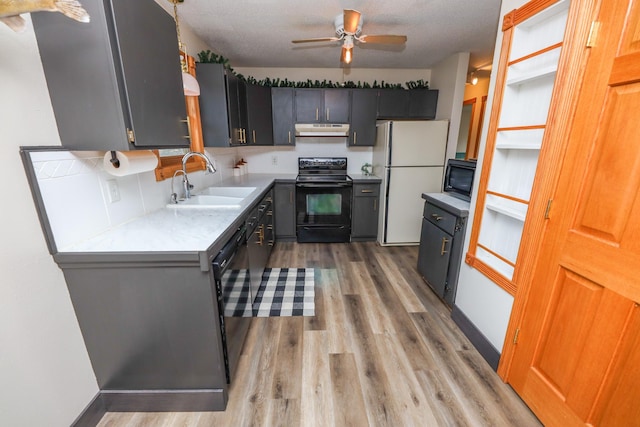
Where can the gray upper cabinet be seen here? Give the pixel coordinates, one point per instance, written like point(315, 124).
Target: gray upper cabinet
point(407, 104)
point(284, 132)
point(259, 125)
point(219, 105)
point(362, 131)
point(115, 83)
point(322, 105)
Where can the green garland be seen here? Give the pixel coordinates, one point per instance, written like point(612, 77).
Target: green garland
point(210, 57)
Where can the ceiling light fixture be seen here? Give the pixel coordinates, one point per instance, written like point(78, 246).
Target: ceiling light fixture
point(472, 79)
point(347, 49)
point(189, 83)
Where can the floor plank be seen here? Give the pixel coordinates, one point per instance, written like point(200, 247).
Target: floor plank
point(381, 350)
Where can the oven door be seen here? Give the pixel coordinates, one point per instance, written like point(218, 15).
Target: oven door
point(323, 211)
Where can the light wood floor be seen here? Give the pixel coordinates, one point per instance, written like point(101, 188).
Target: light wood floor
point(381, 351)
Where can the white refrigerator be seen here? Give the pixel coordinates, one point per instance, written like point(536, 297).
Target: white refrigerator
point(409, 156)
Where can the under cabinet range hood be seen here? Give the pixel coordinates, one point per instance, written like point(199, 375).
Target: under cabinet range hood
point(322, 129)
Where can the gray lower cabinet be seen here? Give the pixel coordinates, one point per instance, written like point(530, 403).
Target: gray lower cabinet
point(285, 211)
point(260, 240)
point(152, 330)
point(441, 240)
point(283, 115)
point(364, 212)
point(115, 83)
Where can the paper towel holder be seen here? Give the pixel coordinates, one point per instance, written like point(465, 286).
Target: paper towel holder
point(114, 160)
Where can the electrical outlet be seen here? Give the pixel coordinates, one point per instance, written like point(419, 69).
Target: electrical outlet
point(113, 190)
point(274, 160)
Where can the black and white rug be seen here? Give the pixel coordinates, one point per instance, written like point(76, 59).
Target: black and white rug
point(283, 292)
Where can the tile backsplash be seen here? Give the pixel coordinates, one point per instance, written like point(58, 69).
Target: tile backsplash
point(74, 188)
point(75, 192)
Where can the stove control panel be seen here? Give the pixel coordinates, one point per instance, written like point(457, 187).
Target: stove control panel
point(322, 163)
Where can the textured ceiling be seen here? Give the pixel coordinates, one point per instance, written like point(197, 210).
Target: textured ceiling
point(258, 33)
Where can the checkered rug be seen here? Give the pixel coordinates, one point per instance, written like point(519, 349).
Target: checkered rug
point(283, 292)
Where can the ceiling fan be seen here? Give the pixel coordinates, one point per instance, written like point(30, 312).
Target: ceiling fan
point(348, 30)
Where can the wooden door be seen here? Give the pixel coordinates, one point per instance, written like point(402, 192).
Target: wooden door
point(577, 360)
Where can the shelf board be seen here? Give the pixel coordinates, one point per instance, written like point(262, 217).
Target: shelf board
point(543, 73)
point(517, 146)
point(511, 213)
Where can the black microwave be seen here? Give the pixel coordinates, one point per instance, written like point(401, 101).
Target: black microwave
point(458, 179)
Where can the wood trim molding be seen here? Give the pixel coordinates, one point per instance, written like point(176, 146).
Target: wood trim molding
point(496, 108)
point(561, 115)
point(469, 149)
point(168, 165)
point(531, 8)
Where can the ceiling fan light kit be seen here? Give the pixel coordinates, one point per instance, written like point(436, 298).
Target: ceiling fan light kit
point(348, 29)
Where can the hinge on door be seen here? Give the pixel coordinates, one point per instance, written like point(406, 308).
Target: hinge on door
point(515, 336)
point(546, 212)
point(131, 136)
point(593, 34)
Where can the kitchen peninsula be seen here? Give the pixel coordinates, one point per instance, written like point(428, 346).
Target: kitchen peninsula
point(145, 299)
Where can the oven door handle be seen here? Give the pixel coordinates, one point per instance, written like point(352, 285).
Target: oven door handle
point(324, 185)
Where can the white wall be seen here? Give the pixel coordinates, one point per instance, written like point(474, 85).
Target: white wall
point(449, 77)
point(45, 374)
point(486, 304)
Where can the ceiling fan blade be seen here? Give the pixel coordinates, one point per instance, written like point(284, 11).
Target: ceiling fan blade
point(320, 39)
point(383, 39)
point(351, 21)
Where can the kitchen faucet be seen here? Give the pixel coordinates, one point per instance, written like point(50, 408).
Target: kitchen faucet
point(185, 179)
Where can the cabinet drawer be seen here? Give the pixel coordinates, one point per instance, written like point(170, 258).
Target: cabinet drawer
point(366, 190)
point(443, 219)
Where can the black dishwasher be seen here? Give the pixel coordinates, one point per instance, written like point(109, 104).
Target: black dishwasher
point(231, 275)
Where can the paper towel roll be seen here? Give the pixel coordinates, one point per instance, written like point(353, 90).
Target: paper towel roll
point(131, 162)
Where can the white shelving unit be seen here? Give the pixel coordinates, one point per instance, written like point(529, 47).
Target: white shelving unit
point(513, 148)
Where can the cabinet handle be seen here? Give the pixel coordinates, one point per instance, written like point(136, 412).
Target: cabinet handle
point(254, 137)
point(328, 114)
point(260, 233)
point(444, 243)
point(375, 205)
point(317, 112)
point(355, 138)
point(271, 243)
point(436, 217)
point(244, 135)
point(269, 213)
point(366, 191)
point(289, 137)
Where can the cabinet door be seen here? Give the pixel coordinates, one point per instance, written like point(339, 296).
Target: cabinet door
point(362, 131)
point(100, 88)
point(237, 108)
point(393, 103)
point(364, 222)
point(259, 125)
point(283, 117)
point(433, 256)
point(214, 109)
point(285, 211)
point(423, 103)
point(337, 105)
point(309, 104)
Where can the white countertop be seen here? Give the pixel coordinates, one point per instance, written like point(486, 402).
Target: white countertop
point(461, 206)
point(177, 229)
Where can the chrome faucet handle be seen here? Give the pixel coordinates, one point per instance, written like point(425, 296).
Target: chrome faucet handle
point(174, 199)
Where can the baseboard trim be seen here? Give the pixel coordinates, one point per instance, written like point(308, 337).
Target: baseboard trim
point(164, 400)
point(92, 414)
point(150, 401)
point(479, 341)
